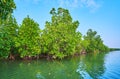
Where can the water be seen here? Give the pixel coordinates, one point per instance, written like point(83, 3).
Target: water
point(90, 66)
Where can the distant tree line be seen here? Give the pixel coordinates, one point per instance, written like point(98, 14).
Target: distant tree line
point(58, 39)
point(114, 49)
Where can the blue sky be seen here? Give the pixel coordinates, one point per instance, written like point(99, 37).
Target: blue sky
point(102, 16)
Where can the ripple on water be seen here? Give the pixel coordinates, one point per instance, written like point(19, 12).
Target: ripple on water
point(112, 66)
point(39, 76)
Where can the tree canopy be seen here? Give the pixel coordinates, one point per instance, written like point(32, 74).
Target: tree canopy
point(95, 43)
point(28, 38)
point(8, 33)
point(58, 39)
point(6, 8)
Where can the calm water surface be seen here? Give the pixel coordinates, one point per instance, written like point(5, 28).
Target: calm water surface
point(90, 66)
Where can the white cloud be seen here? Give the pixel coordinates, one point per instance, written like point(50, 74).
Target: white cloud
point(28, 1)
point(92, 5)
point(36, 0)
point(68, 3)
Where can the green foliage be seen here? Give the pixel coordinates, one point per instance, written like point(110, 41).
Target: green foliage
point(6, 8)
point(114, 49)
point(8, 32)
point(12, 29)
point(4, 43)
point(59, 37)
point(94, 42)
point(28, 40)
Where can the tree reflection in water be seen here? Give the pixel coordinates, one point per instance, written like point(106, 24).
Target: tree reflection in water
point(91, 66)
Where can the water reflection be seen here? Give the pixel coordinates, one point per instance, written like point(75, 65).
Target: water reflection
point(91, 66)
point(41, 69)
point(82, 72)
point(39, 76)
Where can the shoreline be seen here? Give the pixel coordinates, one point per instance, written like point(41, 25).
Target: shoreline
point(48, 57)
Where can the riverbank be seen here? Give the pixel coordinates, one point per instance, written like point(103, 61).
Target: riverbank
point(42, 56)
point(114, 49)
point(49, 56)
